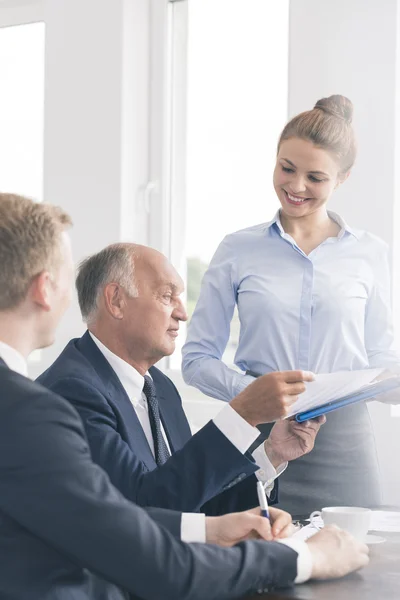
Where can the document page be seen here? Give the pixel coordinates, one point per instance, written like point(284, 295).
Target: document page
point(332, 386)
point(381, 520)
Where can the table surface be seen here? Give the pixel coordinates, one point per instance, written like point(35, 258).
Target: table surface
point(380, 580)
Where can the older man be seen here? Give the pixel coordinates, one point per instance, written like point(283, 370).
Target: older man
point(65, 531)
point(138, 432)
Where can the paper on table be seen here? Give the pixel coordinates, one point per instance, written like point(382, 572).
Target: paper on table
point(305, 532)
point(383, 520)
point(331, 386)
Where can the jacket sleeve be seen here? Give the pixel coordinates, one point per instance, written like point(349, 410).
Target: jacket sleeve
point(50, 486)
point(241, 496)
point(204, 467)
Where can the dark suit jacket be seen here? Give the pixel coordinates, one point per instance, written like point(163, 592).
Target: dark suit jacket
point(203, 467)
point(67, 534)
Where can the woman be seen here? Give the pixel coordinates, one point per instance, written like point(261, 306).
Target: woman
point(313, 294)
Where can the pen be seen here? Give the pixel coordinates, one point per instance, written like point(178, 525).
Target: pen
point(262, 499)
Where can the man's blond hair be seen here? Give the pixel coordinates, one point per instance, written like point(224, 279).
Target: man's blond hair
point(29, 244)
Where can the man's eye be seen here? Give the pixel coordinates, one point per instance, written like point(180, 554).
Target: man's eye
point(167, 296)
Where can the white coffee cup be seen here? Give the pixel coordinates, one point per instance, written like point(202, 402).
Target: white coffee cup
point(353, 519)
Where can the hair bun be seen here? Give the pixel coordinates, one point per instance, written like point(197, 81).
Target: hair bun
point(337, 106)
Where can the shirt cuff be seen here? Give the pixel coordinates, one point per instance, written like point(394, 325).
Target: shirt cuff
point(304, 558)
point(241, 382)
point(236, 429)
point(193, 528)
point(267, 473)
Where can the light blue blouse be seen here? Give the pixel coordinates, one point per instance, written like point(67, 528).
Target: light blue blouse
point(325, 312)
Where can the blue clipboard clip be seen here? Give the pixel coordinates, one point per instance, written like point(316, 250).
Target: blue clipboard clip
point(366, 393)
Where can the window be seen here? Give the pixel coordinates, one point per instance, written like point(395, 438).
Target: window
point(22, 102)
point(22, 109)
point(236, 91)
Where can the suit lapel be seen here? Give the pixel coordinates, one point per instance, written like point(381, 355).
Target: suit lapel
point(119, 399)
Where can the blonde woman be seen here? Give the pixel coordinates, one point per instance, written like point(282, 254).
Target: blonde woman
point(312, 293)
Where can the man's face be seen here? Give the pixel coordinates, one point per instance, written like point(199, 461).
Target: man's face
point(151, 320)
point(59, 292)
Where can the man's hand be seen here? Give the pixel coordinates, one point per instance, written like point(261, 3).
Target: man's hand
point(270, 397)
point(289, 439)
point(236, 527)
point(336, 553)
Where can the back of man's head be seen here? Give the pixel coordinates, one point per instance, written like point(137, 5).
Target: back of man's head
point(113, 264)
point(30, 233)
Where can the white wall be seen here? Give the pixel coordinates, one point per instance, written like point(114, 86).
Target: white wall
point(96, 139)
point(349, 47)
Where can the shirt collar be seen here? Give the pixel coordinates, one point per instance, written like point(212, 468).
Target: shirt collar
point(130, 378)
point(13, 359)
point(344, 228)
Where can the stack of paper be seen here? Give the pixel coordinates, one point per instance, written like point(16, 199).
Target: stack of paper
point(332, 386)
point(381, 520)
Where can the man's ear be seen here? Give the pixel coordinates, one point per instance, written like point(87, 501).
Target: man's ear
point(40, 290)
point(342, 178)
point(114, 300)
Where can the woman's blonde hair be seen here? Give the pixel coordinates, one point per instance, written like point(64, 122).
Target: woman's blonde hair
point(328, 126)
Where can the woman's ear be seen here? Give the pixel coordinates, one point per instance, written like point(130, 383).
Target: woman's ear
point(342, 178)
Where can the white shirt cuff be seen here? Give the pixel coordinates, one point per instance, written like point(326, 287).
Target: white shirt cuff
point(267, 473)
point(304, 558)
point(193, 528)
point(236, 429)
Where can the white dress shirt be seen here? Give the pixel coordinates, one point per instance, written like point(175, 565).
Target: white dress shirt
point(13, 359)
point(193, 527)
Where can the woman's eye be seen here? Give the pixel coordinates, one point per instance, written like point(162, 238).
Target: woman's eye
point(287, 169)
point(315, 179)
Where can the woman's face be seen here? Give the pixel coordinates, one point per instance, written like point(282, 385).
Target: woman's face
point(304, 177)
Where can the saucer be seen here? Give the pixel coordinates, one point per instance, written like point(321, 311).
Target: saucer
point(370, 538)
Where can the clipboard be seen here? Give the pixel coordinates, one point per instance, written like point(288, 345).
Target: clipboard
point(366, 393)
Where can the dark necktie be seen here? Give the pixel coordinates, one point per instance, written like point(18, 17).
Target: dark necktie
point(160, 447)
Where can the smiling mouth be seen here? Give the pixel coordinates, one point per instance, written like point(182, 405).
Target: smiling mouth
point(295, 200)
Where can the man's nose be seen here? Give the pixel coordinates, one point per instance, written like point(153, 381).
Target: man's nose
point(180, 311)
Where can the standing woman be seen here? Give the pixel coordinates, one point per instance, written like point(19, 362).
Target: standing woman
point(312, 294)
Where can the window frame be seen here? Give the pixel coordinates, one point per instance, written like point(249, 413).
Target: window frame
point(167, 138)
point(21, 12)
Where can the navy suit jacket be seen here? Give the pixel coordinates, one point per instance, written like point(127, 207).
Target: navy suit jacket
point(205, 472)
point(66, 533)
